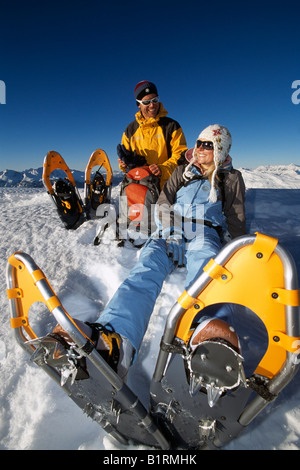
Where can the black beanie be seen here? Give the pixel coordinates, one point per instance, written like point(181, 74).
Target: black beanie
point(144, 88)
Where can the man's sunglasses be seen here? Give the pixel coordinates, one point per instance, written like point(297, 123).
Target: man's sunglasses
point(206, 145)
point(147, 102)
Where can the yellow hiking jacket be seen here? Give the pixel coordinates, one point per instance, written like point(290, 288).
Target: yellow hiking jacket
point(160, 140)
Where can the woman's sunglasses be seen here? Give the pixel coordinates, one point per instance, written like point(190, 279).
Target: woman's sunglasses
point(206, 145)
point(147, 102)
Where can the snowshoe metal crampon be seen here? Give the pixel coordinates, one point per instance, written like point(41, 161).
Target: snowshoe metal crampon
point(200, 398)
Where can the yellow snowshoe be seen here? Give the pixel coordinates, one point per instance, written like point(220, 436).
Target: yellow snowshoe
point(63, 191)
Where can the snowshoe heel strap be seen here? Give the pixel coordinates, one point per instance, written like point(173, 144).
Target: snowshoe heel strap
point(111, 339)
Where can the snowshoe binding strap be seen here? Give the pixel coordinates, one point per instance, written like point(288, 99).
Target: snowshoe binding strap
point(62, 188)
point(107, 344)
point(98, 190)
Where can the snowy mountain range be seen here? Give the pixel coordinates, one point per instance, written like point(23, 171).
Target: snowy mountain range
point(271, 176)
point(32, 178)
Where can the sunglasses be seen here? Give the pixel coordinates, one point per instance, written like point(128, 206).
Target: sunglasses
point(206, 145)
point(147, 102)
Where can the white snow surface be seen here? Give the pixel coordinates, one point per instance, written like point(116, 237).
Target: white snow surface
point(35, 414)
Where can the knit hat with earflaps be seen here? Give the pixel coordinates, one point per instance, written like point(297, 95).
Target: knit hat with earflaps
point(221, 138)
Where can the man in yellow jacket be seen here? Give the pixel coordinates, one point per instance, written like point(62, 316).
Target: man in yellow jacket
point(152, 138)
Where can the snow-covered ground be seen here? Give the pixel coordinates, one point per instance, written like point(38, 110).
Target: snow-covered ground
point(34, 412)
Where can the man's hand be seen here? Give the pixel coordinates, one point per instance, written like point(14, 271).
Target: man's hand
point(122, 164)
point(155, 169)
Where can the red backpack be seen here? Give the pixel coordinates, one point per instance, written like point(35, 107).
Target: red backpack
point(139, 192)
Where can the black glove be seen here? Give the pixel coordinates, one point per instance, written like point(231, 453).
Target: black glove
point(131, 159)
point(176, 249)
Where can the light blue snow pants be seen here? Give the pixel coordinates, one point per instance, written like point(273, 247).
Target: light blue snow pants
point(129, 310)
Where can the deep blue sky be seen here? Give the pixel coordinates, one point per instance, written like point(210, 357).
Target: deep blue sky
point(70, 68)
